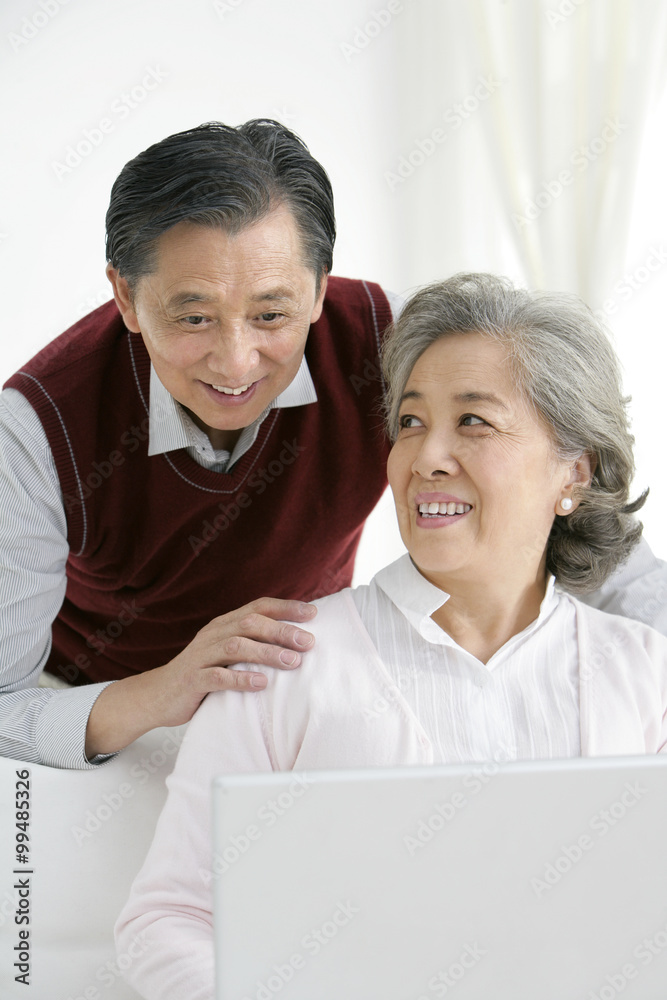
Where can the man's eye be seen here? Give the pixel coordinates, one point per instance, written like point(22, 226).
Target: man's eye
point(407, 420)
point(470, 420)
point(269, 317)
point(194, 320)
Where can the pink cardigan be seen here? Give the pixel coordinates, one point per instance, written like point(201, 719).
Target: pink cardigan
point(325, 715)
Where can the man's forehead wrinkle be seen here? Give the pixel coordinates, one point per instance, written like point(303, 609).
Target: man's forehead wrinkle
point(177, 293)
point(183, 298)
point(274, 295)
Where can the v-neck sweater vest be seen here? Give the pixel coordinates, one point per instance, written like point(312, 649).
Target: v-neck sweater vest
point(161, 545)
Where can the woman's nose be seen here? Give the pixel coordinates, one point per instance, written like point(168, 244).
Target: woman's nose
point(435, 457)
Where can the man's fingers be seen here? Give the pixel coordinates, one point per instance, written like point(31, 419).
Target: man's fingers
point(276, 633)
point(274, 607)
point(225, 679)
point(239, 649)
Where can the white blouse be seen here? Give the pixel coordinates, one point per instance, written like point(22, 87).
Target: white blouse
point(523, 703)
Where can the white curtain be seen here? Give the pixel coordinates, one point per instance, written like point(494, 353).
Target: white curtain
point(543, 106)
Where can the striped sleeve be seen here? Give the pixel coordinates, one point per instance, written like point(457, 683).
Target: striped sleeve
point(36, 725)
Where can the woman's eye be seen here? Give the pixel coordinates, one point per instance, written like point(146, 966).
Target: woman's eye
point(407, 420)
point(470, 420)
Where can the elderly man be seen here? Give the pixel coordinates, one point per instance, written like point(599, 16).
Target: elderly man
point(212, 435)
point(176, 454)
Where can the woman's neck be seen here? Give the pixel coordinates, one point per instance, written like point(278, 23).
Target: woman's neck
point(482, 617)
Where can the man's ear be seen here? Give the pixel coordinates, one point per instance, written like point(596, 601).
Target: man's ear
point(319, 302)
point(123, 298)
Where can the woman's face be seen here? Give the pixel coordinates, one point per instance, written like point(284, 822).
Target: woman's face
point(469, 445)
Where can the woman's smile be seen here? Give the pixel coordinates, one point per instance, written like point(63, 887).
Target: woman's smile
point(439, 510)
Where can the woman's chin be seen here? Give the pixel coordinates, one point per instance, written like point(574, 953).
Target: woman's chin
point(438, 571)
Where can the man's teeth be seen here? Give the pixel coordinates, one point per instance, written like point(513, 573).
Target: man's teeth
point(232, 392)
point(444, 508)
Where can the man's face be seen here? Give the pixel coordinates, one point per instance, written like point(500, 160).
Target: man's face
point(225, 318)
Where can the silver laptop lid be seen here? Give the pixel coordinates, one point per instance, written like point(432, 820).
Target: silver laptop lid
point(539, 880)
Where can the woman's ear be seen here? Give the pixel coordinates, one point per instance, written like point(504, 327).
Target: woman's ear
point(123, 299)
point(583, 469)
point(581, 474)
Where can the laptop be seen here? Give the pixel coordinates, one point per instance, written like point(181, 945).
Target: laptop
point(541, 880)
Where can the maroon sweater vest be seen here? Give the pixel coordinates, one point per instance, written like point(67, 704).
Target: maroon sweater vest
point(159, 546)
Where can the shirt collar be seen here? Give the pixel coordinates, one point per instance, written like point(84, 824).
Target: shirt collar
point(168, 424)
point(416, 598)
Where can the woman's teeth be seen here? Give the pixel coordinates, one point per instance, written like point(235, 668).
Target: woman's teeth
point(444, 508)
point(232, 392)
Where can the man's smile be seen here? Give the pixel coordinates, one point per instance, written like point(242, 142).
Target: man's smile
point(224, 395)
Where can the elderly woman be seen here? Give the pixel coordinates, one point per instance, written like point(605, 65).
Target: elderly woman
point(510, 470)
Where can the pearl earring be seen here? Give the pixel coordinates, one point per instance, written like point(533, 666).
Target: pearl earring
point(566, 503)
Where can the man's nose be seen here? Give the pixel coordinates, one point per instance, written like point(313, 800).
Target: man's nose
point(235, 354)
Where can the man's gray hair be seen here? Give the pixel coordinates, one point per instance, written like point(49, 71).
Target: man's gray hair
point(222, 177)
point(566, 368)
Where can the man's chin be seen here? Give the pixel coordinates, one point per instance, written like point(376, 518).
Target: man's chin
point(224, 428)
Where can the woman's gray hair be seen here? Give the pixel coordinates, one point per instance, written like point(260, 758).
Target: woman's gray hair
point(566, 368)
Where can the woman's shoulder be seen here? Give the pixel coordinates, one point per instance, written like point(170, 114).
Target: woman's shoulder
point(338, 629)
point(335, 605)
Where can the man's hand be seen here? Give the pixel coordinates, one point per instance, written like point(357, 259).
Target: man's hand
point(169, 695)
point(253, 634)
